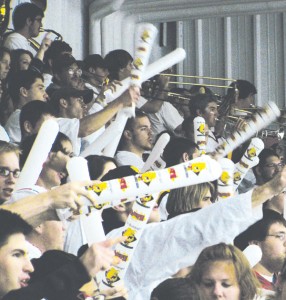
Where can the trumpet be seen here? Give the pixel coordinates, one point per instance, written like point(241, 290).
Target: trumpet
point(277, 134)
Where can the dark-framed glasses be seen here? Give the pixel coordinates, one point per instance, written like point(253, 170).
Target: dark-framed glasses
point(280, 235)
point(72, 72)
point(5, 172)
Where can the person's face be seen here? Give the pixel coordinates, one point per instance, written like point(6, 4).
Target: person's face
point(272, 165)
point(24, 61)
point(35, 26)
point(206, 200)
point(125, 72)
point(246, 103)
point(53, 235)
point(100, 74)
point(37, 91)
point(70, 76)
point(60, 159)
point(155, 214)
point(4, 65)
point(210, 114)
point(75, 107)
point(8, 161)
point(274, 248)
point(141, 134)
point(219, 281)
point(15, 265)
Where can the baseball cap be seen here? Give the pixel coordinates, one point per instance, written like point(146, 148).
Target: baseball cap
point(67, 92)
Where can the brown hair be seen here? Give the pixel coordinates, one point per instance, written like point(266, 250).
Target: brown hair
point(246, 279)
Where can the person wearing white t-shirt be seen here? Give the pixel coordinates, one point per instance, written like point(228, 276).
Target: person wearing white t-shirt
point(136, 138)
point(26, 86)
point(27, 21)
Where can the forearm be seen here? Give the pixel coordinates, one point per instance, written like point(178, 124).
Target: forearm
point(34, 209)
point(93, 122)
point(264, 192)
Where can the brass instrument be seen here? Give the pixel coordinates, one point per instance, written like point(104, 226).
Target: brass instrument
point(37, 45)
point(277, 134)
point(199, 77)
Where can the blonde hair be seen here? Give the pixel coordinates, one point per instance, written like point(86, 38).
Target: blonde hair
point(6, 147)
point(187, 198)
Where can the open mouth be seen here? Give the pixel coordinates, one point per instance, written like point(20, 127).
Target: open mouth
point(24, 282)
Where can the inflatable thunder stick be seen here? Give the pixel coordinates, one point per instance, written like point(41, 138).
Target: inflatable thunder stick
point(153, 69)
point(120, 122)
point(38, 154)
point(156, 151)
point(198, 170)
point(248, 160)
point(132, 230)
point(200, 134)
point(145, 36)
point(260, 120)
point(225, 187)
point(91, 224)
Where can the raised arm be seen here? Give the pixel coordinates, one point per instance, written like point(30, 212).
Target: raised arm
point(93, 122)
point(38, 208)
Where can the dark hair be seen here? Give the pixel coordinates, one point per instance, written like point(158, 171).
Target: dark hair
point(24, 11)
point(96, 165)
point(23, 78)
point(11, 223)
point(27, 144)
point(94, 61)
point(176, 289)
point(109, 215)
point(15, 57)
point(32, 112)
point(244, 87)
point(4, 50)
point(200, 89)
point(56, 49)
point(62, 61)
point(116, 60)
point(263, 156)
point(174, 150)
point(259, 230)
point(200, 102)
point(130, 125)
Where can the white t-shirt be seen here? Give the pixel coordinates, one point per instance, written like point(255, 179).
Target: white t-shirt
point(16, 40)
point(70, 127)
point(13, 127)
point(125, 158)
point(165, 248)
point(167, 118)
point(3, 135)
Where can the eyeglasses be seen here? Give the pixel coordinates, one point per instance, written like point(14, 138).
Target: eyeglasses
point(72, 72)
point(281, 236)
point(5, 172)
point(280, 165)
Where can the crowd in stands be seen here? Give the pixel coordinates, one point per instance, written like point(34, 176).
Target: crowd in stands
point(192, 247)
